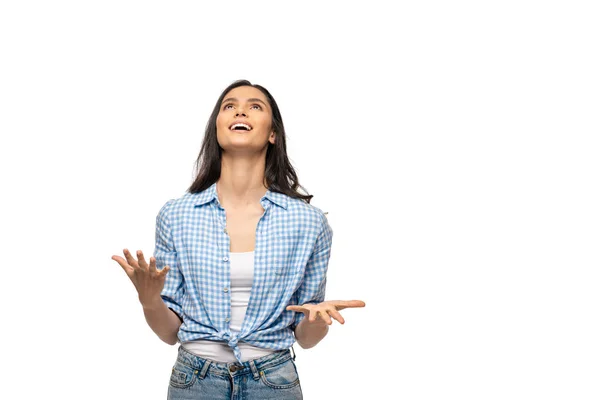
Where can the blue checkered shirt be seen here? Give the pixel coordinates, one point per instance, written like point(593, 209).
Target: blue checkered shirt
point(291, 255)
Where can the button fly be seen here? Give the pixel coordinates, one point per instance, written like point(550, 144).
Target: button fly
point(233, 368)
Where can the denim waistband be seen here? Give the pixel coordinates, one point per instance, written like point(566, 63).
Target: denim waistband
point(203, 366)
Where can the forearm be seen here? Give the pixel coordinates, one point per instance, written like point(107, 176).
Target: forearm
point(164, 322)
point(308, 334)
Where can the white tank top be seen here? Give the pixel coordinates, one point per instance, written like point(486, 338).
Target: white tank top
point(242, 276)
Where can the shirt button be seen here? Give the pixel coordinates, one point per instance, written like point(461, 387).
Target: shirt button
point(226, 319)
point(225, 258)
point(226, 290)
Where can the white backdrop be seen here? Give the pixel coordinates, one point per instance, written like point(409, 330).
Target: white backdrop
point(454, 145)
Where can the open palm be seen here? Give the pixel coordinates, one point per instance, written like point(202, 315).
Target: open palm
point(326, 310)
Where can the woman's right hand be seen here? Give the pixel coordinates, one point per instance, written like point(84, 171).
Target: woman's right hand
point(147, 280)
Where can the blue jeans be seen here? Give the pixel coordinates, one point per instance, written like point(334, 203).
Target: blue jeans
point(273, 376)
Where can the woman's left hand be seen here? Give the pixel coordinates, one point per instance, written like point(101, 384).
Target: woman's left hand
point(326, 310)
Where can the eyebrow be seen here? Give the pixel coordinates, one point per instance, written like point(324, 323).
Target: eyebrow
point(250, 100)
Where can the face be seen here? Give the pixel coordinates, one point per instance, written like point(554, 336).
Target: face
point(244, 120)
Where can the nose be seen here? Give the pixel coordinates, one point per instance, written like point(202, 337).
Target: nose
point(238, 113)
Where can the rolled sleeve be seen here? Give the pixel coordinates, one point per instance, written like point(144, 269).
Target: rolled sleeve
point(312, 288)
point(165, 254)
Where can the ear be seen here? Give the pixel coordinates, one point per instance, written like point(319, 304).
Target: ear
point(272, 137)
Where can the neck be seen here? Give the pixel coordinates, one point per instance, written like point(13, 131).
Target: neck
point(242, 181)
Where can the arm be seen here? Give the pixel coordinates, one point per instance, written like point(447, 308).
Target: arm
point(163, 314)
point(163, 321)
point(312, 290)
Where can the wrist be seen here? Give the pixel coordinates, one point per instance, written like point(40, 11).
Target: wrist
point(152, 303)
point(308, 333)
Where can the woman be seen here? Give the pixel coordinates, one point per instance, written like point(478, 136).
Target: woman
point(240, 261)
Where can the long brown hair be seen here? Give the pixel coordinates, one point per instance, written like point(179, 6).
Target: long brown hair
point(280, 176)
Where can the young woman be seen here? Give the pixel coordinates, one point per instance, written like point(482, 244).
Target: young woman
point(239, 268)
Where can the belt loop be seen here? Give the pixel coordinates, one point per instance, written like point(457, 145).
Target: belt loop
point(293, 352)
point(204, 368)
point(255, 373)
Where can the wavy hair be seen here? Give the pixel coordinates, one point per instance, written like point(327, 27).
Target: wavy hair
point(280, 176)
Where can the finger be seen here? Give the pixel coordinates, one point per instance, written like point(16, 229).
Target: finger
point(325, 317)
point(130, 260)
point(341, 304)
point(337, 316)
point(358, 303)
point(152, 267)
point(141, 260)
point(121, 261)
point(163, 272)
point(296, 308)
point(312, 316)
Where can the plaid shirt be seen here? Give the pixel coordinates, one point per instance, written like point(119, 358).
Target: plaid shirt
point(291, 255)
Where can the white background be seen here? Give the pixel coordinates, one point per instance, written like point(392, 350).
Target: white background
point(454, 145)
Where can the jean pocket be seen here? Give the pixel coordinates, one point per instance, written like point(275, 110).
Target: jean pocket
point(281, 376)
point(182, 375)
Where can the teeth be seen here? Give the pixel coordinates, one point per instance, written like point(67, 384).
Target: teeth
point(242, 125)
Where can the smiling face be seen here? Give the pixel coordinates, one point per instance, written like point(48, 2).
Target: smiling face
point(244, 120)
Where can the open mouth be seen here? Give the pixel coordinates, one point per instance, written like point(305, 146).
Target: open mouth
point(240, 127)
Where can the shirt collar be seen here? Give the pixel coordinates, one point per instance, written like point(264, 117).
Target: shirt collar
point(210, 194)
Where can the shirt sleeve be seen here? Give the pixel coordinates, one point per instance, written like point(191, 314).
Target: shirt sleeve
point(165, 254)
point(312, 288)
